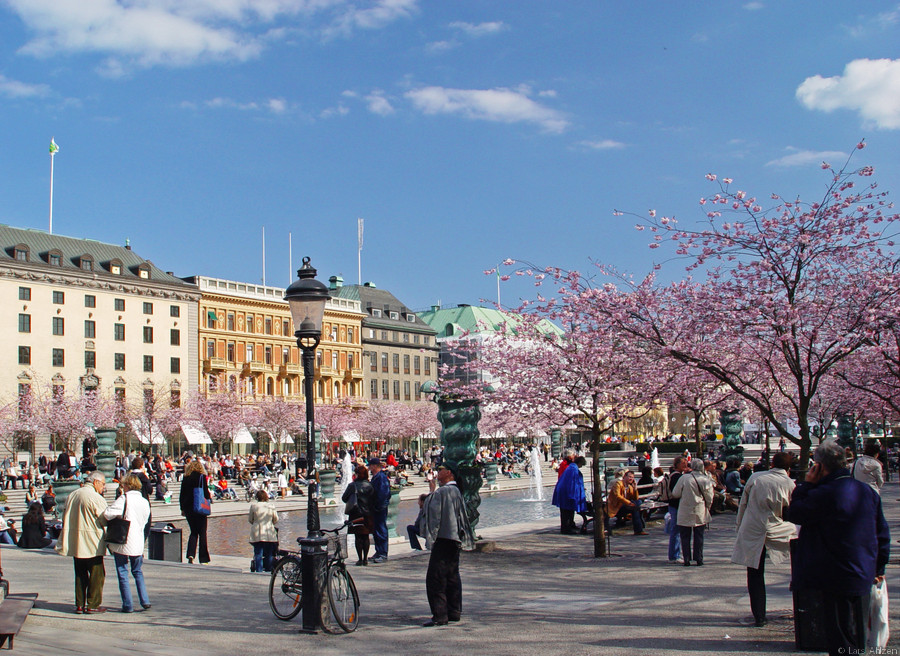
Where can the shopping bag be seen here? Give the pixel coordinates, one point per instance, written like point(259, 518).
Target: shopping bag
point(879, 631)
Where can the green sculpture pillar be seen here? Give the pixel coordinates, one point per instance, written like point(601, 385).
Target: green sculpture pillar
point(459, 437)
point(555, 442)
point(732, 426)
point(105, 459)
point(845, 432)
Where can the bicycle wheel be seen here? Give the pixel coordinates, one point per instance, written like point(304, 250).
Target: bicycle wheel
point(285, 587)
point(342, 597)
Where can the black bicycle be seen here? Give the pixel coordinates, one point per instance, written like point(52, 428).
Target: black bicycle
point(286, 589)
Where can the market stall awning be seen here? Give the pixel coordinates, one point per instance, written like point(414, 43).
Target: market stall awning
point(243, 436)
point(350, 436)
point(140, 429)
point(194, 433)
point(284, 436)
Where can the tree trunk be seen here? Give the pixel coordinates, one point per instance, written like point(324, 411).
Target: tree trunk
point(597, 495)
point(698, 443)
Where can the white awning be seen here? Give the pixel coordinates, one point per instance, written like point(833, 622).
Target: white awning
point(350, 436)
point(155, 437)
point(194, 433)
point(285, 437)
point(243, 436)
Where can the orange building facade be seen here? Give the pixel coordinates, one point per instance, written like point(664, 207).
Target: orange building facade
point(247, 344)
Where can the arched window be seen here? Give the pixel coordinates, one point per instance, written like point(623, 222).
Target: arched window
point(270, 387)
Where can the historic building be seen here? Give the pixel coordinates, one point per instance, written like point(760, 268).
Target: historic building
point(89, 315)
point(399, 349)
point(247, 345)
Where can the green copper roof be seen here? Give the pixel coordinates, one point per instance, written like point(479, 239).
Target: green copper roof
point(473, 319)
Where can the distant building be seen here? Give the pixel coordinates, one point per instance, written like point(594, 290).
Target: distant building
point(247, 344)
point(399, 348)
point(85, 315)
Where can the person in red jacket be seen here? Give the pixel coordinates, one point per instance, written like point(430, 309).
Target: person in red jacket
point(567, 460)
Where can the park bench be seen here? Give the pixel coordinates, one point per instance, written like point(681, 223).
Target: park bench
point(13, 613)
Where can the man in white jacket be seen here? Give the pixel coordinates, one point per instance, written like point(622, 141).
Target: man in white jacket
point(762, 530)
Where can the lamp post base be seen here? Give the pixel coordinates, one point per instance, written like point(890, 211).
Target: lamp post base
point(313, 560)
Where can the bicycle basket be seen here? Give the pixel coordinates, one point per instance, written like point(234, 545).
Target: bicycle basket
point(337, 542)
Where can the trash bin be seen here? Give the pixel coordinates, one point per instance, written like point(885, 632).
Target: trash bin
point(165, 542)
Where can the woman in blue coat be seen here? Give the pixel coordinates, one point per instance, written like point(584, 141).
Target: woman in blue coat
point(569, 496)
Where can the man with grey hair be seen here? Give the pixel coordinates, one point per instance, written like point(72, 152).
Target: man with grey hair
point(843, 548)
point(82, 538)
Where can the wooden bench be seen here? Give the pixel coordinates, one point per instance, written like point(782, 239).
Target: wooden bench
point(13, 613)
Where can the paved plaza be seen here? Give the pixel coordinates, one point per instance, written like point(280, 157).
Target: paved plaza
point(538, 593)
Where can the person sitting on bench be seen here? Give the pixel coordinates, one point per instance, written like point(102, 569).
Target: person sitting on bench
point(624, 501)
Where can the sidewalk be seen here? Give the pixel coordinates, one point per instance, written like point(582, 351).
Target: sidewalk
point(538, 593)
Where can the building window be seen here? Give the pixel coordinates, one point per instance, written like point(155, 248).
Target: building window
point(334, 334)
point(174, 337)
point(148, 334)
point(406, 338)
point(286, 355)
point(86, 263)
point(59, 298)
point(90, 360)
point(396, 390)
point(24, 323)
point(174, 310)
point(268, 325)
point(427, 340)
point(396, 363)
point(384, 336)
point(385, 394)
point(350, 336)
point(119, 361)
point(230, 351)
point(119, 304)
point(148, 363)
point(90, 301)
point(249, 353)
point(22, 253)
point(119, 332)
point(59, 326)
point(406, 394)
point(210, 319)
point(396, 336)
point(148, 308)
point(175, 399)
point(415, 339)
point(376, 312)
point(418, 391)
point(427, 366)
point(373, 361)
point(59, 358)
point(268, 355)
point(334, 360)
point(384, 362)
point(24, 355)
point(417, 362)
point(210, 348)
point(175, 365)
point(115, 269)
point(229, 321)
point(90, 329)
point(406, 364)
point(349, 361)
point(144, 272)
point(55, 259)
point(250, 320)
point(373, 388)
point(24, 293)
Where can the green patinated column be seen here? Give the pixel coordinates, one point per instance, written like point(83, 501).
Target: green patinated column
point(555, 442)
point(732, 425)
point(845, 432)
point(459, 437)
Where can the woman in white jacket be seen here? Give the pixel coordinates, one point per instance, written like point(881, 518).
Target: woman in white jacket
point(696, 493)
point(263, 535)
point(136, 509)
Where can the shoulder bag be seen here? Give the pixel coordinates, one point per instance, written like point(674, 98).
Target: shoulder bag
point(117, 528)
point(202, 504)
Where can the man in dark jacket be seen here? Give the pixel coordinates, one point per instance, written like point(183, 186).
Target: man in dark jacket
point(843, 547)
point(380, 502)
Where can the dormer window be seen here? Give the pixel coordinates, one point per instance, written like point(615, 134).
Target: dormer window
point(376, 312)
point(21, 252)
point(86, 262)
point(115, 267)
point(411, 318)
point(54, 257)
point(143, 271)
point(395, 315)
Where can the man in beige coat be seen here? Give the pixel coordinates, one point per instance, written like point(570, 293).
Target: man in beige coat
point(761, 528)
point(82, 539)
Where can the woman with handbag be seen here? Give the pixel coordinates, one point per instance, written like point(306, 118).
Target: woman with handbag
point(695, 489)
point(195, 501)
point(263, 534)
point(126, 519)
point(359, 496)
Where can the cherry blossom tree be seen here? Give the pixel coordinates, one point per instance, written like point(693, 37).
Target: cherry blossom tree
point(220, 414)
point(279, 418)
point(790, 292)
point(696, 392)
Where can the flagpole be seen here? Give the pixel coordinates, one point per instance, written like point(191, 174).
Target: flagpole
point(264, 255)
point(290, 261)
point(359, 229)
point(53, 149)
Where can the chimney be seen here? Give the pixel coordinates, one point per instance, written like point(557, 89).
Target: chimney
point(335, 282)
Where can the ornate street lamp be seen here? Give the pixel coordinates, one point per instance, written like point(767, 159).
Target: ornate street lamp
point(306, 298)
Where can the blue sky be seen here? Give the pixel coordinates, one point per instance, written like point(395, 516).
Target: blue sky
point(463, 132)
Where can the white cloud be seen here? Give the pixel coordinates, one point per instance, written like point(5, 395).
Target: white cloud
point(501, 105)
point(272, 105)
point(869, 25)
point(480, 29)
point(602, 144)
point(442, 46)
point(16, 89)
point(144, 33)
point(754, 6)
point(378, 104)
point(277, 105)
point(869, 86)
point(807, 158)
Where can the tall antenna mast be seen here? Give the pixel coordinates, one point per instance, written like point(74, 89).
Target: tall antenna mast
point(359, 228)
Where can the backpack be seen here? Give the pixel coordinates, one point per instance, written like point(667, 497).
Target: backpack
point(665, 487)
